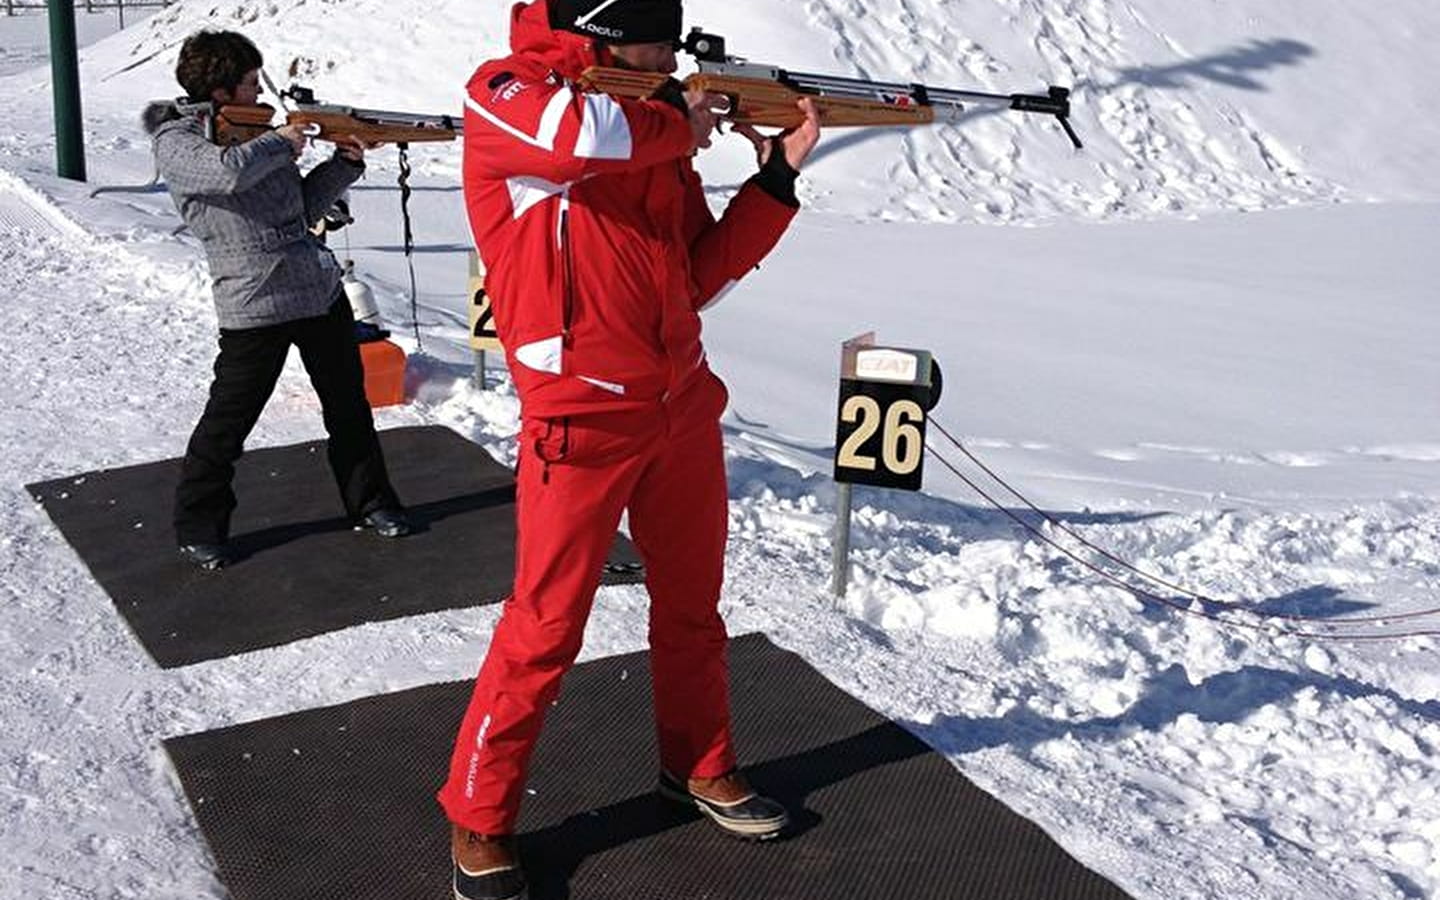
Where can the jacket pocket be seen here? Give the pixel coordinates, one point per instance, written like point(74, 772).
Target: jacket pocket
point(582, 441)
point(240, 281)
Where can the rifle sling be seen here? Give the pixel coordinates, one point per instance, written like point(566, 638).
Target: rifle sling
point(409, 237)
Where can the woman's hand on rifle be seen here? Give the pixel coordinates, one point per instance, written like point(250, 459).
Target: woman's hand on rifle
point(295, 134)
point(353, 148)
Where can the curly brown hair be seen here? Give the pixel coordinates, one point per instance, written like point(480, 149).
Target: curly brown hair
point(215, 59)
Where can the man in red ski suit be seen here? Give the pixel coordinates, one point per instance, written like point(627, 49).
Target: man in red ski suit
point(600, 251)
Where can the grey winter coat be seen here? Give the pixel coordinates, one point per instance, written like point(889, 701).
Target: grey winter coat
point(252, 211)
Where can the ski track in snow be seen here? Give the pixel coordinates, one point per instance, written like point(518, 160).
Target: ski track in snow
point(1157, 148)
point(1303, 769)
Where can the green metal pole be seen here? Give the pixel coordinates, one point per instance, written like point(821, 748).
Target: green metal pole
point(65, 74)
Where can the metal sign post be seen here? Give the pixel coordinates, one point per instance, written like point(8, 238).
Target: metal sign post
point(483, 335)
point(65, 79)
point(885, 393)
point(840, 557)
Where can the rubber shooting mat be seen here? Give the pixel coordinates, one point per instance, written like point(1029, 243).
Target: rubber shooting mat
point(338, 803)
point(303, 570)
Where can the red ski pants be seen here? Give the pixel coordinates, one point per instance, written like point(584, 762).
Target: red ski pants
point(576, 476)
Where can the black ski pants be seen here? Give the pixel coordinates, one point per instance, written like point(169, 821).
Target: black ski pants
point(246, 370)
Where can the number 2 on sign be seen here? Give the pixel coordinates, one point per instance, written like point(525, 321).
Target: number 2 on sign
point(901, 446)
point(485, 317)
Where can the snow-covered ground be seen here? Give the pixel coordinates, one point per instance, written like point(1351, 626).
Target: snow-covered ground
point(1206, 344)
point(25, 36)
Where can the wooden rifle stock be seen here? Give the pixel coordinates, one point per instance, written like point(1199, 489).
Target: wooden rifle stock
point(238, 124)
point(760, 101)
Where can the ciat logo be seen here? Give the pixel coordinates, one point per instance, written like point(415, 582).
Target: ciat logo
point(887, 365)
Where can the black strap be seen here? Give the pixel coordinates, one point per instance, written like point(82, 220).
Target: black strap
point(404, 149)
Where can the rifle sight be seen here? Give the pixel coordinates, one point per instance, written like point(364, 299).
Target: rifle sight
point(303, 96)
point(705, 47)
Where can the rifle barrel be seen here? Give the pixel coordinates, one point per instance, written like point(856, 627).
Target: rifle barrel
point(386, 117)
point(857, 87)
point(417, 120)
point(1055, 102)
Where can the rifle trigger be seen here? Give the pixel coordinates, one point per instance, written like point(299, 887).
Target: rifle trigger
point(723, 105)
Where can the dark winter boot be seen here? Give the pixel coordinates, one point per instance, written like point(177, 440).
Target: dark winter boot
point(207, 556)
point(388, 523)
point(731, 803)
point(486, 867)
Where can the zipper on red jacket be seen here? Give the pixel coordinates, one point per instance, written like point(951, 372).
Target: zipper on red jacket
point(567, 314)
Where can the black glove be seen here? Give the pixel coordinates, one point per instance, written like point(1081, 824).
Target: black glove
point(777, 177)
point(673, 93)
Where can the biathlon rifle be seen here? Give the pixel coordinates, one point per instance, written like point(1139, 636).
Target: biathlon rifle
point(761, 94)
point(233, 124)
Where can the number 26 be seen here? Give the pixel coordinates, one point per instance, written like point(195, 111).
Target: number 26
point(901, 444)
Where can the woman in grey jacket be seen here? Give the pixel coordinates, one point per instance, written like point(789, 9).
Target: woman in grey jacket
point(275, 285)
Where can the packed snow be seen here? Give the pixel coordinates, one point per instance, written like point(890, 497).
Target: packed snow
point(1205, 344)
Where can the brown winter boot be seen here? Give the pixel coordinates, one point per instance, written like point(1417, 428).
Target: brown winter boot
point(486, 866)
point(730, 802)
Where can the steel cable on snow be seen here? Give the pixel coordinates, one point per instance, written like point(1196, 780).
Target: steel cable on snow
point(1101, 551)
point(1265, 625)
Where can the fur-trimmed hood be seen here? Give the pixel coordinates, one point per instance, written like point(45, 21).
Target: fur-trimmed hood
point(157, 113)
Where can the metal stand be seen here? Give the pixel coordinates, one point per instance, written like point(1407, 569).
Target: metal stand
point(840, 561)
point(480, 377)
point(150, 187)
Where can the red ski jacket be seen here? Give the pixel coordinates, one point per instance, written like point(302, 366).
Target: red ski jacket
point(598, 245)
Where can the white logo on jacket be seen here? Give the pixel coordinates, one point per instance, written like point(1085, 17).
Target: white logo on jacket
point(509, 91)
point(613, 33)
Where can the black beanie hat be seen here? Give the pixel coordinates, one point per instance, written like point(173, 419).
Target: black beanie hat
point(619, 21)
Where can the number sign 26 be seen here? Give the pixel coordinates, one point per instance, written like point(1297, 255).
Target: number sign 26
point(482, 318)
point(880, 434)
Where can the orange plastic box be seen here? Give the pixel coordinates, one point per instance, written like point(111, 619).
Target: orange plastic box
point(384, 364)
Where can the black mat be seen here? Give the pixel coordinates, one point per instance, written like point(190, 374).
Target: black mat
point(337, 803)
point(304, 571)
